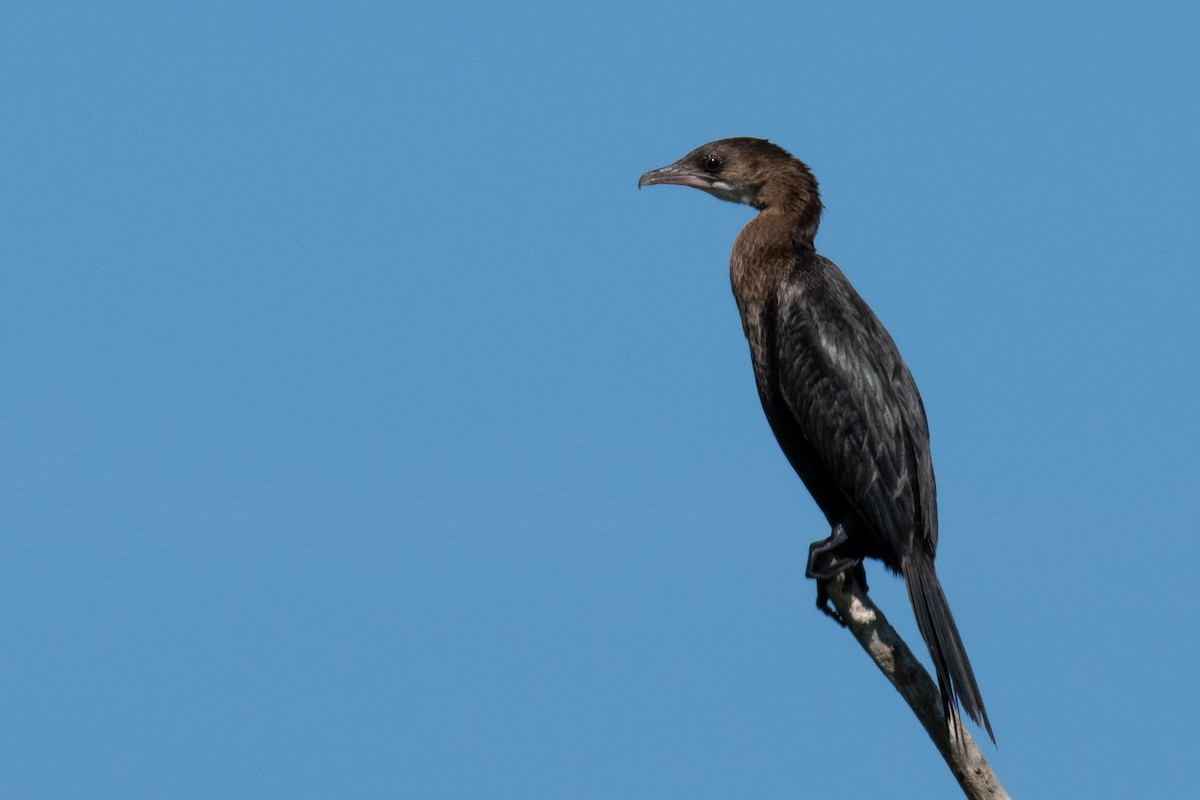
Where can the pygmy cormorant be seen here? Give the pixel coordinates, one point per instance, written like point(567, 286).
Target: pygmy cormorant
point(836, 392)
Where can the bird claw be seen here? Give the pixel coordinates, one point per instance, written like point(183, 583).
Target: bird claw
point(826, 608)
point(832, 564)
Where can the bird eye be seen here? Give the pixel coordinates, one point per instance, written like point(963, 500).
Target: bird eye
point(711, 163)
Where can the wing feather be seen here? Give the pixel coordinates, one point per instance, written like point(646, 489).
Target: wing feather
point(856, 403)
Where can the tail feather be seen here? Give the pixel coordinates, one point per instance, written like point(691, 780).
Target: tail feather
point(956, 680)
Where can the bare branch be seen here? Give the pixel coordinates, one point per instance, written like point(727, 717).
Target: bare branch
point(896, 661)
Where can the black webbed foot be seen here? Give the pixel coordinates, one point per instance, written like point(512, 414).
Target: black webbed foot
point(826, 563)
point(822, 569)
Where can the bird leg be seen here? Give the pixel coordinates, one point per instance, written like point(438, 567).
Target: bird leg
point(834, 563)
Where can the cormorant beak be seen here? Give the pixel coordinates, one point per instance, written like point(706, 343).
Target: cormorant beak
point(679, 175)
point(682, 174)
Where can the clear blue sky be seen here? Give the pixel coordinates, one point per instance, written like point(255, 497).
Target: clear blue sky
point(365, 433)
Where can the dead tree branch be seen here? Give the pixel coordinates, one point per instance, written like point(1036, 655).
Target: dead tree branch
point(896, 661)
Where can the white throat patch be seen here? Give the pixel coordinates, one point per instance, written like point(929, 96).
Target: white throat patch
point(732, 192)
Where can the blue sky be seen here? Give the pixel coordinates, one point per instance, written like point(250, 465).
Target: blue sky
point(366, 433)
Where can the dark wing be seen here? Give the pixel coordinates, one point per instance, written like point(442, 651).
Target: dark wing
point(856, 403)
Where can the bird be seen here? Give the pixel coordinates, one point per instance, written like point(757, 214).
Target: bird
point(836, 392)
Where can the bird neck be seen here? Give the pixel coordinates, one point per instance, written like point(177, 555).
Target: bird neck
point(790, 226)
point(766, 251)
point(792, 199)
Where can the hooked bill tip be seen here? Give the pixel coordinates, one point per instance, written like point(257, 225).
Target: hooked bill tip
point(647, 178)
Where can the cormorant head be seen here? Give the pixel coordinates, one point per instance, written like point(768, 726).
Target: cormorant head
point(744, 170)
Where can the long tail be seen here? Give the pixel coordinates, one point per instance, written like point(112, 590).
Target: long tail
point(956, 680)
